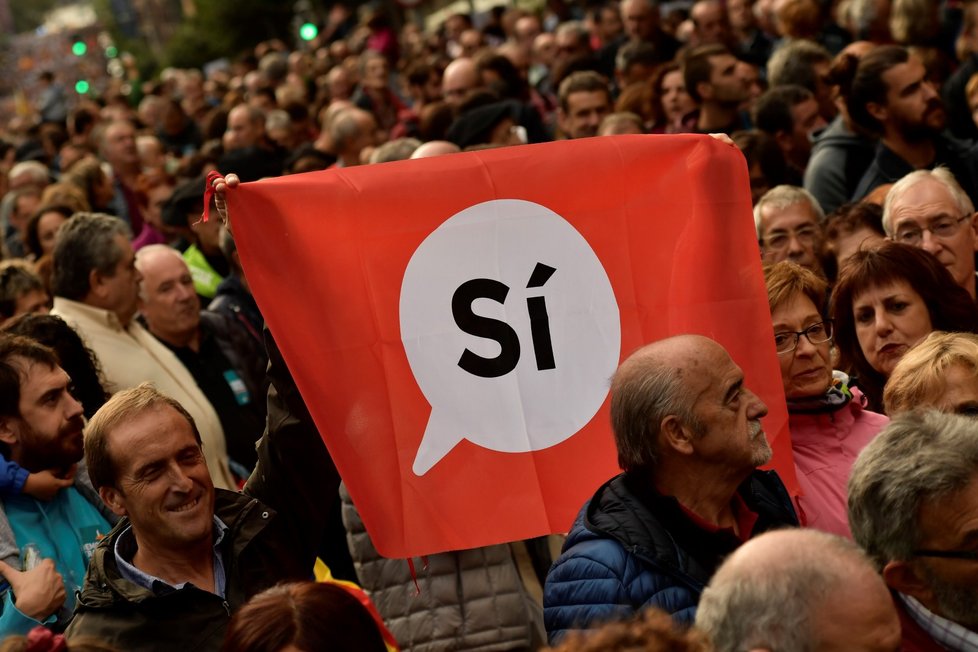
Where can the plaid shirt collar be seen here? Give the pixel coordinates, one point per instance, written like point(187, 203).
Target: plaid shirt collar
point(949, 634)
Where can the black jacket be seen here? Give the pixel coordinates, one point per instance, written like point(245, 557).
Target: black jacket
point(275, 528)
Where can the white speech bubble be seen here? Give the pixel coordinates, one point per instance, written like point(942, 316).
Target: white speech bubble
point(544, 399)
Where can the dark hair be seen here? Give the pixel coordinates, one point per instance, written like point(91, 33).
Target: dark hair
point(658, 78)
point(849, 218)
point(33, 240)
point(86, 243)
point(843, 222)
point(307, 615)
point(11, 373)
point(772, 110)
point(511, 84)
point(950, 306)
point(868, 86)
point(81, 120)
point(761, 148)
point(635, 53)
point(17, 278)
point(698, 69)
point(78, 361)
point(582, 81)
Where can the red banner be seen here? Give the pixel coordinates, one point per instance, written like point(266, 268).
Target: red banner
point(453, 322)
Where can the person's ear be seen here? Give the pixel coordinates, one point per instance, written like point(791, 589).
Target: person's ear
point(114, 500)
point(705, 90)
point(8, 431)
point(96, 282)
point(562, 121)
point(877, 110)
point(676, 435)
point(901, 576)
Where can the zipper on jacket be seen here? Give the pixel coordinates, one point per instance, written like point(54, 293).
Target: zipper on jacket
point(227, 607)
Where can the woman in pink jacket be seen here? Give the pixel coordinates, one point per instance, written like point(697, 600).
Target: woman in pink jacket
point(829, 425)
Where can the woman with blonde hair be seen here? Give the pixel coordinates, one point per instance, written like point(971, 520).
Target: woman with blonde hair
point(941, 373)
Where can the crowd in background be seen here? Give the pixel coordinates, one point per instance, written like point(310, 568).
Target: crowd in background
point(856, 119)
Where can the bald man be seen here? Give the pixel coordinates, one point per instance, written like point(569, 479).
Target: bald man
point(435, 148)
point(460, 77)
point(795, 590)
point(689, 440)
point(208, 346)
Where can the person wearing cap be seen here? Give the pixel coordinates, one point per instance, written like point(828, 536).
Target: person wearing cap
point(492, 124)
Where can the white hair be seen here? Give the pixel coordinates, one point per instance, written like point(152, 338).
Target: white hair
point(783, 196)
point(939, 174)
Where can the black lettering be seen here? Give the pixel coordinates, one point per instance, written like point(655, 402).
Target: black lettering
point(486, 327)
point(543, 347)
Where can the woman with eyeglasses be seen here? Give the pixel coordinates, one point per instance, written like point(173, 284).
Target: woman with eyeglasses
point(886, 300)
point(827, 418)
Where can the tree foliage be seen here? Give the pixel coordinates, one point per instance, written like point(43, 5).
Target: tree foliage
point(30, 15)
point(228, 27)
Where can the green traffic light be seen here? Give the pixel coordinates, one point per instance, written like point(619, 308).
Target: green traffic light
point(111, 52)
point(81, 87)
point(78, 48)
point(308, 31)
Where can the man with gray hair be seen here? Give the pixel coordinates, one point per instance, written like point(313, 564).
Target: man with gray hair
point(780, 591)
point(96, 288)
point(913, 501)
point(789, 222)
point(930, 210)
point(689, 440)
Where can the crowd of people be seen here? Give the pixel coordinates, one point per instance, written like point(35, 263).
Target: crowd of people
point(163, 483)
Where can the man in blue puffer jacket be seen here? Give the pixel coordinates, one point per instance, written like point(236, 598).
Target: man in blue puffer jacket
point(689, 439)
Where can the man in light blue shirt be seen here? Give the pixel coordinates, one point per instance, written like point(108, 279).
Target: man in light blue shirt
point(41, 428)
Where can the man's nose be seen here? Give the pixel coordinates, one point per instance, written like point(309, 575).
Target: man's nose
point(929, 243)
point(179, 479)
point(185, 291)
point(74, 408)
point(794, 244)
point(756, 408)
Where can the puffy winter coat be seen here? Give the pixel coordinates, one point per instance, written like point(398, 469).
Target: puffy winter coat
point(469, 599)
point(620, 556)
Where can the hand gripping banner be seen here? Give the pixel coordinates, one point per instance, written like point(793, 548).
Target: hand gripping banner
point(453, 323)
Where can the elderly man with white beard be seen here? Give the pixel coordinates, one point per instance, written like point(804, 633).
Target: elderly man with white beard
point(689, 440)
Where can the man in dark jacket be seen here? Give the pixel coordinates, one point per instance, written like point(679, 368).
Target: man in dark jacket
point(215, 352)
point(186, 556)
point(689, 439)
point(890, 96)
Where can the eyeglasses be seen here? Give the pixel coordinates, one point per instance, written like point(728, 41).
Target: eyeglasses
point(942, 227)
point(787, 341)
point(969, 555)
point(806, 235)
